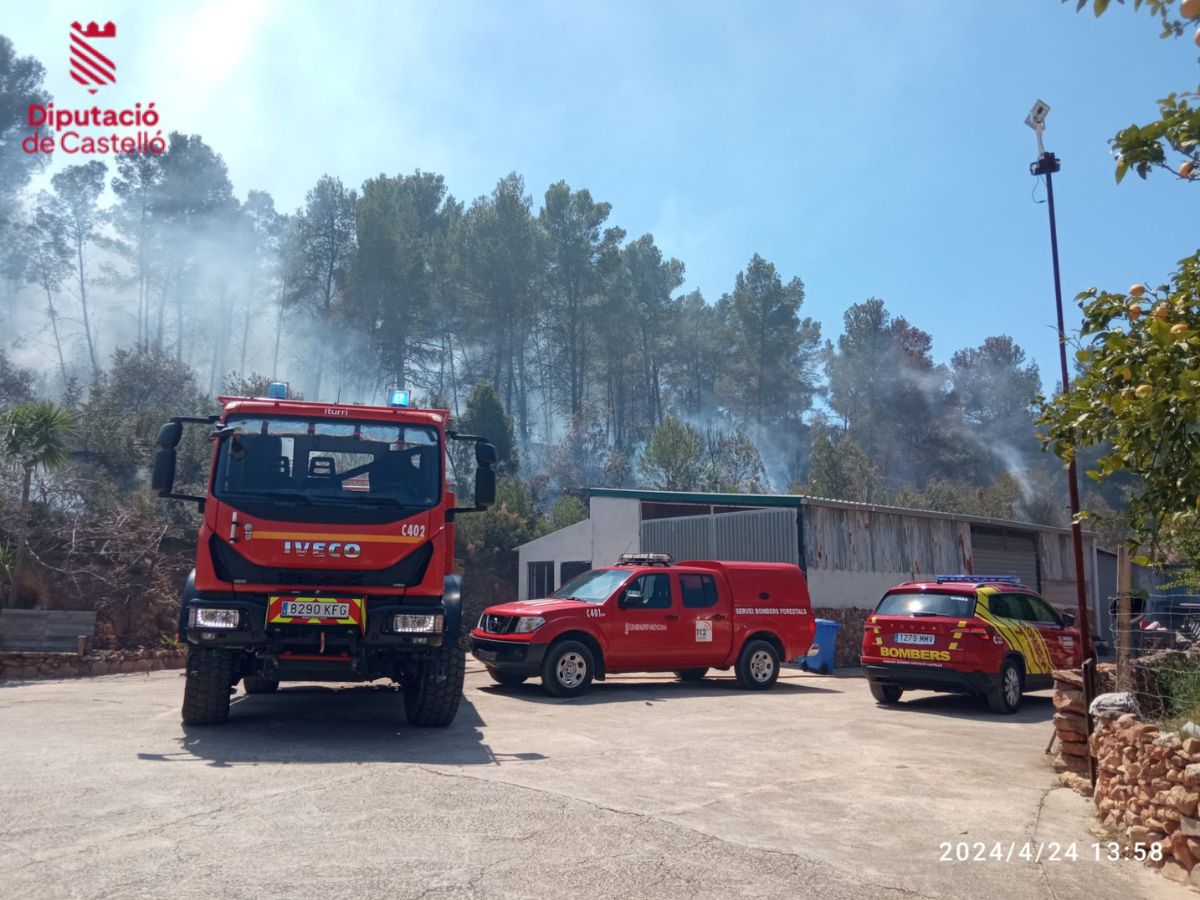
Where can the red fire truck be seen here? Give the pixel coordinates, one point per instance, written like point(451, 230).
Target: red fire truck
point(647, 615)
point(326, 551)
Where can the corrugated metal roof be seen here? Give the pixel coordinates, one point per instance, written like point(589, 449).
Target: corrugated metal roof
point(807, 500)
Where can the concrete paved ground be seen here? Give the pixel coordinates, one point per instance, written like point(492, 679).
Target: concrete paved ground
point(644, 788)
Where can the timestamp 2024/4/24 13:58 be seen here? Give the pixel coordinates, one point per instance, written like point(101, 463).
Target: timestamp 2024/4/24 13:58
point(1045, 851)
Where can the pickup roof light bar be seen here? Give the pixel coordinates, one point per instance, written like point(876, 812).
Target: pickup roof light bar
point(644, 559)
point(978, 579)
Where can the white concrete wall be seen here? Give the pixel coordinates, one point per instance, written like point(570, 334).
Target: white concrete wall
point(616, 528)
point(851, 590)
point(565, 545)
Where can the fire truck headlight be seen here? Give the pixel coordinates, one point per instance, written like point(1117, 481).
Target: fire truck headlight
point(526, 624)
point(417, 624)
point(207, 617)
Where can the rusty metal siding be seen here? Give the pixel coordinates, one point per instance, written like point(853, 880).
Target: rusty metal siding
point(865, 540)
point(767, 535)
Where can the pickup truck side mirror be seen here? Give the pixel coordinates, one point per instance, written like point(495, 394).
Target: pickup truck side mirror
point(1068, 619)
point(632, 599)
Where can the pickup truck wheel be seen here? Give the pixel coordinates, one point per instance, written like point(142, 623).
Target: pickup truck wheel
point(568, 669)
point(256, 684)
point(432, 695)
point(887, 694)
point(1005, 697)
point(211, 675)
point(691, 674)
point(757, 666)
point(507, 679)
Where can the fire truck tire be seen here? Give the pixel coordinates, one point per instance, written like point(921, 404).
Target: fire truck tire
point(757, 666)
point(1005, 697)
point(431, 698)
point(887, 694)
point(691, 674)
point(211, 675)
point(507, 679)
point(256, 684)
point(568, 669)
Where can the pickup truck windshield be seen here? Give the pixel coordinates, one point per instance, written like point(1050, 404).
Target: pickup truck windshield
point(343, 464)
point(923, 603)
point(594, 586)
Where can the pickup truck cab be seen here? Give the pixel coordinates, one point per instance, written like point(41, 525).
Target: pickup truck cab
point(647, 615)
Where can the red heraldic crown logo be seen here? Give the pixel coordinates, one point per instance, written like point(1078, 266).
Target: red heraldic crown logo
point(88, 65)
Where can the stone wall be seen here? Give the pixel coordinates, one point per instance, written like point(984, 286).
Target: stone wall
point(848, 651)
point(1070, 724)
point(100, 662)
point(1148, 788)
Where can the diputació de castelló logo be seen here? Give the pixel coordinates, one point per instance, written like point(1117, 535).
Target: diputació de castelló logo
point(93, 130)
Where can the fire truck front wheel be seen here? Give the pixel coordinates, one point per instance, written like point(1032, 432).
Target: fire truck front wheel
point(211, 675)
point(433, 692)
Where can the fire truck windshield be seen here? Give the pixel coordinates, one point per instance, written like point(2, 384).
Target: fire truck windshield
point(376, 468)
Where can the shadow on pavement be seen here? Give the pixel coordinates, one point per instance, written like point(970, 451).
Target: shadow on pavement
point(1034, 707)
point(649, 688)
point(319, 724)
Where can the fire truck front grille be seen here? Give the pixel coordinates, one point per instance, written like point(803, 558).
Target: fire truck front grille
point(233, 567)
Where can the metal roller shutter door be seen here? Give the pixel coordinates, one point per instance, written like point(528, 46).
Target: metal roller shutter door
point(998, 551)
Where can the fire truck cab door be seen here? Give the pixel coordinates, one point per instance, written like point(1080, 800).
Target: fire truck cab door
point(706, 620)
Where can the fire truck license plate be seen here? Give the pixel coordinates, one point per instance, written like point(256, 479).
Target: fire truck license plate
point(314, 609)
point(914, 638)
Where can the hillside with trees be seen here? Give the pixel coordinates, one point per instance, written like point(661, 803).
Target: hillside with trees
point(143, 288)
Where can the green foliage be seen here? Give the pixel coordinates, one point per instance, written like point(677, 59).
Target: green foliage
point(507, 524)
point(768, 379)
point(21, 80)
point(485, 416)
point(36, 433)
point(1169, 142)
point(566, 510)
point(1137, 398)
point(839, 469)
point(673, 459)
point(125, 408)
point(734, 463)
point(16, 383)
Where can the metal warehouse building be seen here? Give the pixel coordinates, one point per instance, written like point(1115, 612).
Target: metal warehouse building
point(850, 552)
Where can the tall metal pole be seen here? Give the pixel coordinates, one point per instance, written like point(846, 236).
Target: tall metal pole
point(1047, 164)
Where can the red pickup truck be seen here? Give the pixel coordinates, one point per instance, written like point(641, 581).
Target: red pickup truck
point(648, 615)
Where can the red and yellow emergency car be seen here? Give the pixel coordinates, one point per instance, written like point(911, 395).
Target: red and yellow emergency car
point(985, 635)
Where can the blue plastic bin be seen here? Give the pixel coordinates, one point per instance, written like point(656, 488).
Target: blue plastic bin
point(824, 640)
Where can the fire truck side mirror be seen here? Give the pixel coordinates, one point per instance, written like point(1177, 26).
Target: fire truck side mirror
point(485, 453)
point(485, 486)
point(162, 479)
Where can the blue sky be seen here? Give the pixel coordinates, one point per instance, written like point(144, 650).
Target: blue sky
point(871, 148)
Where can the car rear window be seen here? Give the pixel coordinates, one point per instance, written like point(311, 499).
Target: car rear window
point(926, 603)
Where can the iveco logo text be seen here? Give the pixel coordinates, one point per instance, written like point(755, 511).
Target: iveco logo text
point(336, 550)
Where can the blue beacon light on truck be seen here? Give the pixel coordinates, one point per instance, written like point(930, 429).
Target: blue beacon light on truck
point(277, 390)
point(398, 397)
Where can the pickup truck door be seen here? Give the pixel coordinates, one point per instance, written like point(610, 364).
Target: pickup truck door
point(706, 620)
point(644, 630)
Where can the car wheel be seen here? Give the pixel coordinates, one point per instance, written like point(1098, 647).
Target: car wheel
point(256, 684)
point(887, 694)
point(506, 679)
point(691, 674)
point(210, 679)
point(1005, 697)
point(757, 666)
point(568, 669)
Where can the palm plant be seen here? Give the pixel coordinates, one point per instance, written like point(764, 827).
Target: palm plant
point(33, 434)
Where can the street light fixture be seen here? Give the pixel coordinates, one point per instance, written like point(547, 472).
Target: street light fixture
point(1047, 164)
